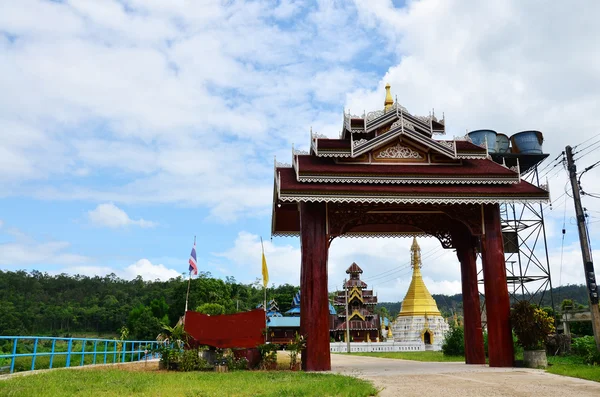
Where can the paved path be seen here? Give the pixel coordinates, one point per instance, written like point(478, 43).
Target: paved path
point(414, 378)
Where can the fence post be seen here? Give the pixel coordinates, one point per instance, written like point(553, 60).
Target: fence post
point(139, 351)
point(82, 353)
point(35, 343)
point(105, 350)
point(52, 352)
point(12, 361)
point(115, 353)
point(124, 347)
point(95, 345)
point(70, 345)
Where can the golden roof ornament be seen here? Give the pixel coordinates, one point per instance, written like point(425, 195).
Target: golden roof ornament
point(418, 301)
point(389, 101)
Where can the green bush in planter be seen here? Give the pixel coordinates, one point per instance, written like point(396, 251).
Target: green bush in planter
point(531, 325)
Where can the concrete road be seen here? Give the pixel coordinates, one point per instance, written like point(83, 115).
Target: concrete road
point(413, 378)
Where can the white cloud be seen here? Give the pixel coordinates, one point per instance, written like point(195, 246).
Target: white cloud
point(24, 251)
point(149, 271)
point(109, 215)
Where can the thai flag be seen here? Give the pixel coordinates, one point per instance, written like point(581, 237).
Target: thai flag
point(193, 263)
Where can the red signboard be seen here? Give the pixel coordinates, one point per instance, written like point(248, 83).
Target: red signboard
point(228, 330)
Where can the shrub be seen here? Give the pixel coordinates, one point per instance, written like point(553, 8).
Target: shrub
point(268, 356)
point(454, 344)
point(236, 363)
point(586, 347)
point(295, 347)
point(531, 325)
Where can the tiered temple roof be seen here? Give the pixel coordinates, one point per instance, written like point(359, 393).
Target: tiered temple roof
point(361, 303)
point(392, 157)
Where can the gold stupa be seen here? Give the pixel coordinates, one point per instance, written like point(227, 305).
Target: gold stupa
point(418, 301)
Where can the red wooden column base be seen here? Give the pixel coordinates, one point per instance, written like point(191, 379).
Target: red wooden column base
point(500, 342)
point(474, 350)
point(314, 303)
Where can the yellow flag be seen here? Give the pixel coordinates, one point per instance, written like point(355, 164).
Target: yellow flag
point(265, 271)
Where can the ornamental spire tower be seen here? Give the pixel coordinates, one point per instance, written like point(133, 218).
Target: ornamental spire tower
point(419, 322)
point(418, 301)
point(389, 101)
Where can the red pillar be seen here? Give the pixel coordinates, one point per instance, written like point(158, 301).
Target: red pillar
point(474, 350)
point(314, 303)
point(500, 343)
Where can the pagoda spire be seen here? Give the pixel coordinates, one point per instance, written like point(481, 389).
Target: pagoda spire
point(415, 255)
point(389, 101)
point(418, 301)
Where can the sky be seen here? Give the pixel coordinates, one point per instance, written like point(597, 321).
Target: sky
point(127, 127)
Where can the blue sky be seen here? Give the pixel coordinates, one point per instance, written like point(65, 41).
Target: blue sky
point(127, 127)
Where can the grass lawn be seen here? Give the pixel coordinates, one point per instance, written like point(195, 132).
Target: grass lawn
point(573, 366)
point(415, 356)
point(118, 382)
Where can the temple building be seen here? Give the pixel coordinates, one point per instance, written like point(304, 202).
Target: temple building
point(283, 328)
point(419, 320)
point(364, 324)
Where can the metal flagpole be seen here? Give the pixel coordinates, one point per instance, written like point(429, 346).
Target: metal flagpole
point(264, 290)
point(187, 295)
point(347, 318)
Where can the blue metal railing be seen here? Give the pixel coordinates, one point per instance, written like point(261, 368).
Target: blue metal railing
point(91, 351)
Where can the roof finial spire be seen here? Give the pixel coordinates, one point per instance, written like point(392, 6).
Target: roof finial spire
point(389, 101)
point(415, 255)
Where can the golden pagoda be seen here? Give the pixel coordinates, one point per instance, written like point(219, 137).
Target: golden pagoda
point(419, 324)
point(418, 301)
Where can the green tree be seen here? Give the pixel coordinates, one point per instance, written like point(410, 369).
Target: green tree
point(212, 309)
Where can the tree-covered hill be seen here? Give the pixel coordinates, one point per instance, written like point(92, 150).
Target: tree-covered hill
point(450, 304)
point(42, 304)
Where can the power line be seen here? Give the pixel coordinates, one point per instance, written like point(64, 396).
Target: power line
point(388, 273)
point(588, 150)
point(587, 140)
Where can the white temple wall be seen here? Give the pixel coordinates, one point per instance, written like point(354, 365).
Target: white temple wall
point(368, 347)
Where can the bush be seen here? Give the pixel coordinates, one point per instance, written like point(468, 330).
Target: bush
point(454, 344)
point(586, 347)
point(531, 325)
point(268, 356)
point(236, 363)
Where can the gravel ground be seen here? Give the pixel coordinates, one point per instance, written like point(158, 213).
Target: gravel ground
point(413, 378)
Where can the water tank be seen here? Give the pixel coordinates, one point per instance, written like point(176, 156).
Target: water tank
point(502, 143)
point(527, 142)
point(480, 136)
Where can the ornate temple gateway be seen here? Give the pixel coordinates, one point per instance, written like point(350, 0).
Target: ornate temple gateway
point(363, 323)
point(419, 320)
point(388, 175)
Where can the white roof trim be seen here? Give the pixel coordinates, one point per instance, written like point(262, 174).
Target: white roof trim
point(408, 199)
point(416, 180)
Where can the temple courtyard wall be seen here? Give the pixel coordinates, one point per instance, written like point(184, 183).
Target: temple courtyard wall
point(368, 347)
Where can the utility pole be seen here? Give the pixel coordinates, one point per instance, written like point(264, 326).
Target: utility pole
point(588, 265)
point(347, 319)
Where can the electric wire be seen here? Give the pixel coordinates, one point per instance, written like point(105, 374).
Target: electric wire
point(587, 140)
point(590, 149)
point(404, 266)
